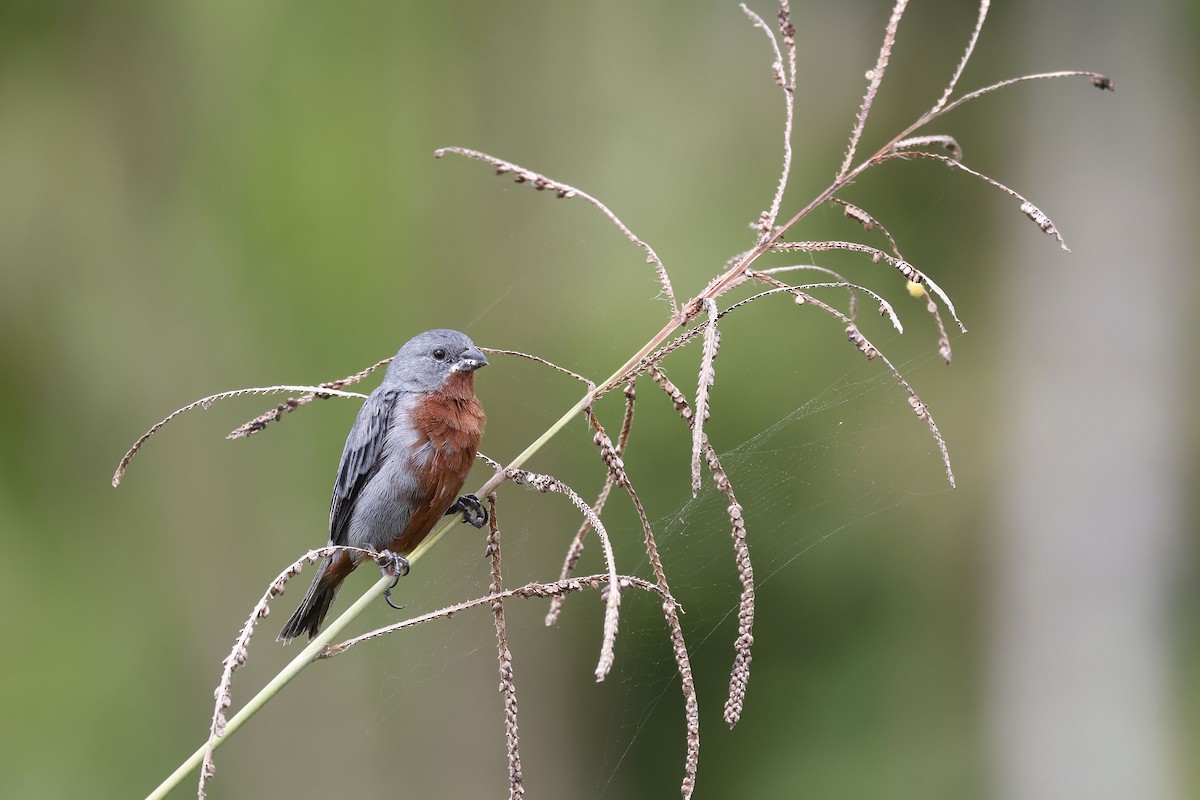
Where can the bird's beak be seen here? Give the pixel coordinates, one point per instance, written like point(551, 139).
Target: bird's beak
point(471, 360)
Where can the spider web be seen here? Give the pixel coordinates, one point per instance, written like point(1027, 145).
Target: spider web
point(834, 464)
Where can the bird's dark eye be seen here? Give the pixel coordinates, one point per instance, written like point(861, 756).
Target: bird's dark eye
point(439, 354)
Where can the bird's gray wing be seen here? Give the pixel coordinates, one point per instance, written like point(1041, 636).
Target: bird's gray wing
point(360, 460)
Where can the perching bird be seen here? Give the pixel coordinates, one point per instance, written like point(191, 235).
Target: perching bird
point(404, 463)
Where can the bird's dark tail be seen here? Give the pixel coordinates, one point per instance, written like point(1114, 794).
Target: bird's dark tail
point(317, 600)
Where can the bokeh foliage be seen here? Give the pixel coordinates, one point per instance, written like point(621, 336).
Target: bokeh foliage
point(203, 196)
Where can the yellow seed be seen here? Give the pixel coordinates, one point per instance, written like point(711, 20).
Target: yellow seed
point(916, 289)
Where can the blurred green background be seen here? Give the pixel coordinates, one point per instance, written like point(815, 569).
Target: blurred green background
point(204, 196)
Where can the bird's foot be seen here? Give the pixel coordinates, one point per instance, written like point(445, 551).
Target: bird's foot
point(394, 566)
point(472, 510)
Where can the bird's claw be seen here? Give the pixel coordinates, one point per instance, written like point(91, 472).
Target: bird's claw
point(472, 510)
point(395, 566)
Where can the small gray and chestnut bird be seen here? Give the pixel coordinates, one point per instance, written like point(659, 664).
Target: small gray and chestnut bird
point(404, 463)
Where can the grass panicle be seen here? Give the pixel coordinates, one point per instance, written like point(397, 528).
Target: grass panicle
point(738, 283)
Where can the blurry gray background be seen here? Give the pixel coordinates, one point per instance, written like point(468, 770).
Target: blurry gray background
point(197, 197)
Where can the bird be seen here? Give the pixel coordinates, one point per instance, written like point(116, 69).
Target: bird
point(405, 461)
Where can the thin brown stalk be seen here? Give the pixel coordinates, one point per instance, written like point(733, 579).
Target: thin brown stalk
point(739, 675)
point(241, 652)
point(528, 591)
point(868, 222)
point(962, 63)
point(508, 687)
point(704, 382)
point(558, 589)
point(874, 78)
point(864, 345)
point(785, 77)
point(616, 469)
point(291, 404)
point(914, 401)
point(800, 291)
point(575, 549)
point(943, 343)
point(903, 267)
point(1027, 208)
point(563, 191)
point(1099, 80)
point(947, 143)
point(539, 360)
point(206, 402)
point(644, 363)
point(634, 369)
point(547, 483)
point(851, 288)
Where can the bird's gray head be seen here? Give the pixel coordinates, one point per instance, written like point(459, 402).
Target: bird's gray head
point(429, 359)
